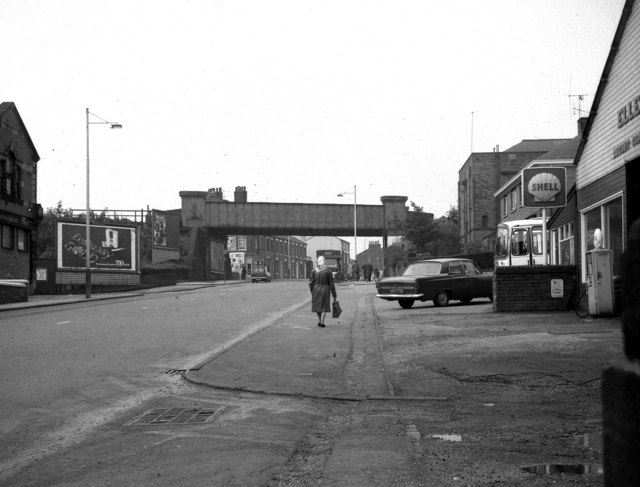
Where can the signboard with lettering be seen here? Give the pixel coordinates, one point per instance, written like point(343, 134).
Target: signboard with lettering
point(544, 187)
point(112, 247)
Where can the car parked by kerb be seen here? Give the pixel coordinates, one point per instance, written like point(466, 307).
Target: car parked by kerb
point(437, 280)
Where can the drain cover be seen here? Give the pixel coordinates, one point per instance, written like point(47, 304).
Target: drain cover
point(168, 416)
point(174, 371)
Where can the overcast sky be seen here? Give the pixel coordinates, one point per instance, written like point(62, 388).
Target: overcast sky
point(296, 100)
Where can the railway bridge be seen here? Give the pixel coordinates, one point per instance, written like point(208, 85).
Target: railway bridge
point(208, 219)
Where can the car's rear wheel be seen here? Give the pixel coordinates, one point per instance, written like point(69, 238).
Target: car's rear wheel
point(441, 299)
point(405, 303)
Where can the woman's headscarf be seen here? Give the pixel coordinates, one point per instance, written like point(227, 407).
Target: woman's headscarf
point(320, 262)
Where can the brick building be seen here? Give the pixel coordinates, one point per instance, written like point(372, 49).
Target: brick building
point(482, 174)
point(19, 211)
point(374, 255)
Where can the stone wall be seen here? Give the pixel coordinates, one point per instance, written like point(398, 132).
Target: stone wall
point(529, 288)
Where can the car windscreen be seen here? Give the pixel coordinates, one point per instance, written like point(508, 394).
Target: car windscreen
point(423, 268)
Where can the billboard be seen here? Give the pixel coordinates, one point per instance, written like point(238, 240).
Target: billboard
point(544, 187)
point(166, 229)
point(112, 247)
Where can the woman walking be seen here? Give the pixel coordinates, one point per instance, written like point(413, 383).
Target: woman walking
point(321, 284)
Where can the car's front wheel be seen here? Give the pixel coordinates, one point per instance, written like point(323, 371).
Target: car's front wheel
point(441, 299)
point(405, 303)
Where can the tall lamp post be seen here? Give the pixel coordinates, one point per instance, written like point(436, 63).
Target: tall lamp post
point(355, 220)
point(88, 216)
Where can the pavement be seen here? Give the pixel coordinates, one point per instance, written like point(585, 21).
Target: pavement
point(43, 300)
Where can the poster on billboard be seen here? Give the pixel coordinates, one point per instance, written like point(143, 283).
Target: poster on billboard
point(237, 264)
point(112, 247)
point(166, 229)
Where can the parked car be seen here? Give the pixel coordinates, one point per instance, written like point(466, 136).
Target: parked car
point(260, 273)
point(440, 280)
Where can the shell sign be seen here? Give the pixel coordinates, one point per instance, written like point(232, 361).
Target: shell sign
point(544, 187)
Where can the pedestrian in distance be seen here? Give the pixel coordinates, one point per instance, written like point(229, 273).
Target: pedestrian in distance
point(322, 288)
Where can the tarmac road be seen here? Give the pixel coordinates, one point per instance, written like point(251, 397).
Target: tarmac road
point(381, 397)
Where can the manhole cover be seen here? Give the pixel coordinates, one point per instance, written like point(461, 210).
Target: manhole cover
point(168, 416)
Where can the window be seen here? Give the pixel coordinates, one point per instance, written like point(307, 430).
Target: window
point(514, 199)
point(536, 240)
point(22, 239)
point(7, 237)
point(566, 245)
point(520, 242)
point(519, 190)
point(242, 242)
point(10, 177)
point(7, 176)
point(502, 241)
point(469, 268)
point(485, 222)
point(602, 227)
point(505, 206)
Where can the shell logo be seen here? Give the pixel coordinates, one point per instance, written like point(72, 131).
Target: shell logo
point(544, 186)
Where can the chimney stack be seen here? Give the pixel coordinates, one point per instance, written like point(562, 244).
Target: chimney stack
point(240, 194)
point(582, 123)
point(214, 194)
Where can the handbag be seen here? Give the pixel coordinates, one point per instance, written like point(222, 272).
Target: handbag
point(337, 310)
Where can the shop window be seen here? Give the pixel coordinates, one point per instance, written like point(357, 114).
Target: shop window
point(566, 246)
point(7, 237)
point(603, 228)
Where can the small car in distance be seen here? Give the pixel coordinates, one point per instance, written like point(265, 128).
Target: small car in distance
point(439, 280)
point(260, 273)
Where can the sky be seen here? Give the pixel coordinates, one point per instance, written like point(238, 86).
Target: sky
point(296, 100)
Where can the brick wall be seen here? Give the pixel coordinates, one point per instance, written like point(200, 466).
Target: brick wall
point(11, 294)
point(528, 288)
point(14, 264)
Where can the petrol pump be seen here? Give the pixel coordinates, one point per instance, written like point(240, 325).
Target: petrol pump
point(599, 282)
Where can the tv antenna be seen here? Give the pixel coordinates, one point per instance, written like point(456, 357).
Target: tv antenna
point(577, 110)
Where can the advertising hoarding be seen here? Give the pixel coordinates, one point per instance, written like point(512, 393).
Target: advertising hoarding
point(112, 247)
point(166, 229)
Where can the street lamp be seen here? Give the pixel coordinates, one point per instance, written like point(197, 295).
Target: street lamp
point(88, 216)
point(355, 220)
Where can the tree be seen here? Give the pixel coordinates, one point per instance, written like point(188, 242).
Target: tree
point(46, 233)
point(420, 230)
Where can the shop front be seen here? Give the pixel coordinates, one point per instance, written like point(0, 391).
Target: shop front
point(608, 158)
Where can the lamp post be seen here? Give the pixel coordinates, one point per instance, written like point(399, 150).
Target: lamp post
point(88, 216)
point(355, 220)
